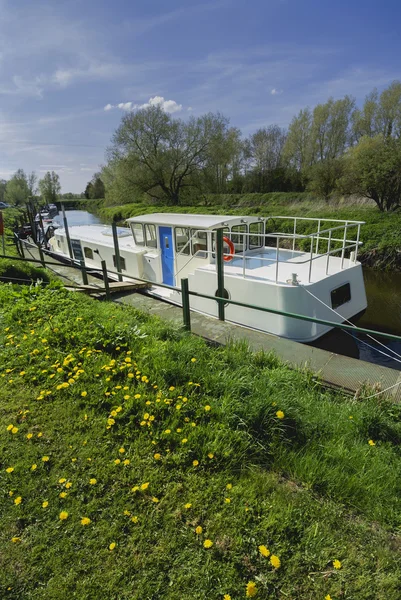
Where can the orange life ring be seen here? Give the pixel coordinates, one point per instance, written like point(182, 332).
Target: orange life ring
point(230, 256)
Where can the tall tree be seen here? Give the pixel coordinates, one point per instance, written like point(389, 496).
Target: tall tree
point(223, 155)
point(3, 185)
point(331, 129)
point(162, 154)
point(17, 191)
point(297, 149)
point(373, 170)
point(32, 181)
point(50, 187)
point(266, 147)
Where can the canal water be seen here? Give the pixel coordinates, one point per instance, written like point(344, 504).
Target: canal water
point(383, 292)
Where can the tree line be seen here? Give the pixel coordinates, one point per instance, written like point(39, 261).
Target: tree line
point(22, 186)
point(335, 147)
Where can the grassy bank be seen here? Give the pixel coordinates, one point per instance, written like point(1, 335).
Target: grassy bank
point(381, 235)
point(137, 462)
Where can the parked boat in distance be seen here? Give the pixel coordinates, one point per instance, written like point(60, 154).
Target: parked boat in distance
point(314, 274)
point(47, 212)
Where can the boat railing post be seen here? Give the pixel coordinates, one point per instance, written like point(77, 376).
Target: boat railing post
point(84, 273)
point(116, 250)
point(295, 233)
point(220, 271)
point(328, 253)
point(21, 245)
point(105, 280)
point(317, 239)
point(277, 256)
point(344, 244)
point(67, 233)
point(357, 241)
point(243, 255)
point(186, 312)
point(311, 257)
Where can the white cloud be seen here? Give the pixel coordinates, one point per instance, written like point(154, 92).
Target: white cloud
point(275, 92)
point(169, 106)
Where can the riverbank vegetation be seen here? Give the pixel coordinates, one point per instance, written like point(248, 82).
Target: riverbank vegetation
point(138, 462)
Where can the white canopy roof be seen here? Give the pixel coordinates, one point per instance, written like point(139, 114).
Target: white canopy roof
point(187, 220)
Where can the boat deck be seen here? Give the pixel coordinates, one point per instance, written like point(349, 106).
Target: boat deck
point(262, 266)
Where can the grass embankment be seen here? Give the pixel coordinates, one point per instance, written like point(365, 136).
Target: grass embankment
point(127, 444)
point(381, 235)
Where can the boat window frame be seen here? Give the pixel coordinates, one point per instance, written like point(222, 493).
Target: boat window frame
point(203, 251)
point(260, 233)
point(342, 291)
point(90, 250)
point(187, 250)
point(150, 243)
point(239, 235)
point(137, 225)
point(123, 265)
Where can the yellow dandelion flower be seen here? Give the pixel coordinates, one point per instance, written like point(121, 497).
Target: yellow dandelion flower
point(62, 480)
point(18, 500)
point(83, 394)
point(121, 450)
point(226, 597)
point(280, 414)
point(328, 597)
point(210, 455)
point(193, 359)
point(63, 515)
point(171, 388)
point(45, 458)
point(14, 430)
point(110, 421)
point(112, 546)
point(93, 481)
point(9, 469)
point(126, 461)
point(45, 504)
point(145, 486)
point(275, 561)
point(134, 519)
point(264, 551)
point(188, 505)
point(208, 407)
point(195, 463)
point(40, 434)
point(198, 530)
point(63, 494)
point(117, 461)
point(337, 564)
point(155, 500)
point(184, 441)
point(15, 540)
point(127, 513)
point(85, 521)
point(137, 396)
point(207, 543)
point(167, 431)
point(29, 436)
point(127, 397)
point(9, 427)
point(371, 443)
point(251, 589)
point(34, 467)
point(157, 456)
point(229, 486)
point(227, 500)
point(68, 485)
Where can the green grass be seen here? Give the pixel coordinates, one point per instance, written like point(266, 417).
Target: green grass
point(308, 486)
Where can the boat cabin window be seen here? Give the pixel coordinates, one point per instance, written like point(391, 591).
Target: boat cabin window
point(199, 243)
point(181, 240)
point(255, 235)
point(237, 236)
point(150, 235)
point(122, 262)
point(88, 253)
point(137, 230)
point(340, 295)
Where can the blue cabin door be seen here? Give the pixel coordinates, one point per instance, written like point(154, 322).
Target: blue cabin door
point(166, 245)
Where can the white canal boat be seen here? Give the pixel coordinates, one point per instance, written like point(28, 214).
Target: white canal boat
point(314, 274)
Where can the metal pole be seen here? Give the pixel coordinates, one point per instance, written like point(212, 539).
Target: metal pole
point(357, 242)
point(220, 271)
point(84, 273)
point(185, 304)
point(317, 239)
point(277, 256)
point(344, 243)
point(310, 260)
point(42, 258)
point(328, 253)
point(116, 250)
point(105, 279)
point(67, 233)
point(295, 232)
point(21, 248)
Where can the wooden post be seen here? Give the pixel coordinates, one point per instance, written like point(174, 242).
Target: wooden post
point(116, 250)
point(84, 273)
point(105, 280)
point(42, 258)
point(220, 271)
point(185, 304)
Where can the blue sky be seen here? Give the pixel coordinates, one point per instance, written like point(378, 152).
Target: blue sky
point(62, 62)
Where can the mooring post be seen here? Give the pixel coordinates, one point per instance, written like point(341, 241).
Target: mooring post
point(67, 233)
point(220, 271)
point(105, 279)
point(21, 245)
point(116, 250)
point(42, 257)
point(185, 304)
point(84, 273)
